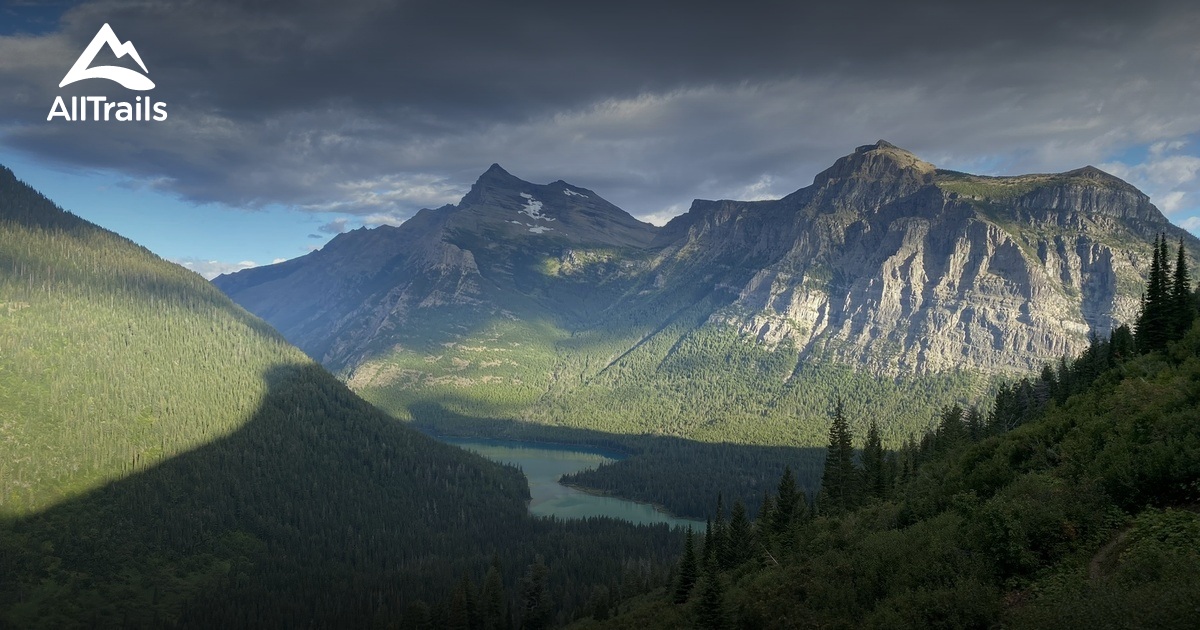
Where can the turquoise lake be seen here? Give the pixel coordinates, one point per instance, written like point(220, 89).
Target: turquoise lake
point(544, 464)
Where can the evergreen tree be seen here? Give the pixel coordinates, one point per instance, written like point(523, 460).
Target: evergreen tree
point(720, 538)
point(1155, 322)
point(765, 522)
point(950, 431)
point(1049, 381)
point(1183, 308)
point(1005, 415)
point(462, 603)
point(417, 616)
point(600, 603)
point(874, 473)
point(839, 483)
point(1120, 344)
point(976, 424)
point(787, 502)
point(711, 611)
point(689, 570)
point(740, 537)
point(538, 608)
point(492, 615)
point(707, 555)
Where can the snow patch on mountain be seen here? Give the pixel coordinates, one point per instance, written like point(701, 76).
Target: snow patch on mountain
point(533, 209)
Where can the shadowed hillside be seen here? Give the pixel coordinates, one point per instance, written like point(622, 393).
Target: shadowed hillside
point(318, 510)
point(166, 457)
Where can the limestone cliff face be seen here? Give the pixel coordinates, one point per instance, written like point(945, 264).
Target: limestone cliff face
point(890, 264)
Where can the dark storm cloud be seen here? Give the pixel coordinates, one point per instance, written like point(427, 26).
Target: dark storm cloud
point(379, 108)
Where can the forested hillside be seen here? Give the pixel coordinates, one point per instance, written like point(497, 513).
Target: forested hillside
point(1074, 502)
point(167, 458)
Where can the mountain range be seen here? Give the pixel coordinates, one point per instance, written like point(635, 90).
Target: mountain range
point(542, 303)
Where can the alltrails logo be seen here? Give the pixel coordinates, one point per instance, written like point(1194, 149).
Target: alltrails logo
point(99, 107)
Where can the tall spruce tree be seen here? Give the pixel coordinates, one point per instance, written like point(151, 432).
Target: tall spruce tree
point(538, 607)
point(418, 616)
point(840, 481)
point(462, 614)
point(740, 542)
point(976, 424)
point(720, 535)
point(787, 502)
point(1121, 345)
point(689, 569)
point(766, 517)
point(1155, 323)
point(951, 431)
point(706, 556)
point(1183, 307)
point(492, 598)
point(874, 470)
point(711, 611)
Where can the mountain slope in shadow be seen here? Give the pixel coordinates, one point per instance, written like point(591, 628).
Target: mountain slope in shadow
point(313, 511)
point(168, 459)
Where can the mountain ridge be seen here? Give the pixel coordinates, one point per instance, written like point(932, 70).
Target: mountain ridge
point(885, 265)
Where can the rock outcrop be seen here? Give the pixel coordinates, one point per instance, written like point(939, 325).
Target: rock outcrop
point(888, 263)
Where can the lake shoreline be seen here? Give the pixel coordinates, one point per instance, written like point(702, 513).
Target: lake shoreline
point(544, 466)
point(604, 451)
point(604, 493)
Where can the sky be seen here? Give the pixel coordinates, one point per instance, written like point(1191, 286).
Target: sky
point(292, 121)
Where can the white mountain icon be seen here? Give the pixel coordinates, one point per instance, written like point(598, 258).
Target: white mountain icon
point(126, 77)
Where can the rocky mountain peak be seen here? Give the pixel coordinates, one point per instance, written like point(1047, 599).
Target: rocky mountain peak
point(503, 207)
point(874, 174)
point(496, 172)
point(494, 179)
point(1100, 177)
point(874, 161)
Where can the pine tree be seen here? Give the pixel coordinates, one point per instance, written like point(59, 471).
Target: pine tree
point(711, 611)
point(1155, 322)
point(1120, 344)
point(720, 536)
point(874, 473)
point(1183, 308)
point(538, 610)
point(839, 483)
point(765, 522)
point(706, 556)
point(740, 542)
point(689, 570)
point(951, 430)
point(976, 424)
point(460, 615)
point(787, 502)
point(492, 598)
point(599, 603)
point(418, 616)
